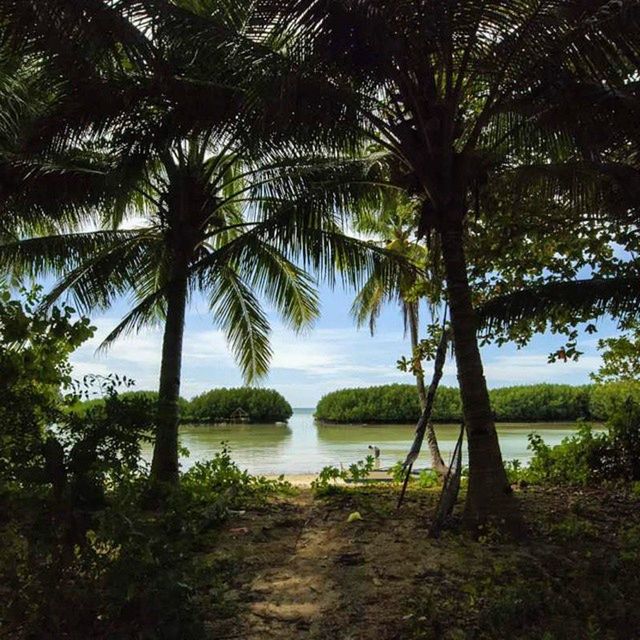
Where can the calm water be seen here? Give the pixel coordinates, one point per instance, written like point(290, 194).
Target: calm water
point(302, 446)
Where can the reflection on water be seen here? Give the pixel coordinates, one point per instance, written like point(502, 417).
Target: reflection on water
point(303, 446)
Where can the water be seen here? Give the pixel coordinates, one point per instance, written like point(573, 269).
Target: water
point(303, 446)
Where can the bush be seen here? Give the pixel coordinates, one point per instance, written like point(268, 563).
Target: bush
point(262, 405)
point(588, 457)
point(359, 471)
point(93, 562)
point(134, 573)
point(149, 397)
point(576, 460)
point(34, 350)
point(81, 556)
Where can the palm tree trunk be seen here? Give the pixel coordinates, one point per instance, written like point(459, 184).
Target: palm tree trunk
point(489, 496)
point(437, 463)
point(164, 466)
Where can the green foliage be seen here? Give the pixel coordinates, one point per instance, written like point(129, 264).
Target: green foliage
point(129, 573)
point(34, 350)
point(388, 403)
point(359, 471)
point(515, 471)
point(262, 405)
point(608, 399)
point(524, 403)
point(589, 457)
point(150, 398)
point(82, 556)
point(220, 478)
point(620, 357)
point(544, 402)
point(397, 471)
point(428, 479)
point(571, 462)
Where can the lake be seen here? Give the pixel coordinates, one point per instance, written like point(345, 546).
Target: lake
point(304, 446)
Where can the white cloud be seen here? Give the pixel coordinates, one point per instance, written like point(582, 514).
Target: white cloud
point(304, 367)
point(531, 368)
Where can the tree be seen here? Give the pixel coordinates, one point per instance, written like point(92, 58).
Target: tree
point(216, 224)
point(34, 352)
point(458, 93)
point(564, 305)
point(620, 357)
point(394, 225)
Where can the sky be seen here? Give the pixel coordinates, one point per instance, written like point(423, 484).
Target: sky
point(334, 354)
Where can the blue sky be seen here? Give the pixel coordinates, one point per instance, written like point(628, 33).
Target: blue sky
point(332, 355)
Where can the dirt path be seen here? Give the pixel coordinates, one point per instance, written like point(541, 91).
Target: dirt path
point(296, 594)
point(300, 569)
point(309, 573)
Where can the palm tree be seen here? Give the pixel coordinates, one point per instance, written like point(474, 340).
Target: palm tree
point(457, 92)
point(229, 214)
point(216, 224)
point(395, 225)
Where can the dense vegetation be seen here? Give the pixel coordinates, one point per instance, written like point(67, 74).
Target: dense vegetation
point(588, 457)
point(83, 554)
point(524, 403)
point(216, 405)
point(261, 405)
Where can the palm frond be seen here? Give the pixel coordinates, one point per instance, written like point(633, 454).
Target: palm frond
point(108, 273)
point(368, 303)
point(284, 285)
point(238, 313)
point(147, 312)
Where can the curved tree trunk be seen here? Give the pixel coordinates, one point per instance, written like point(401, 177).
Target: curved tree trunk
point(437, 463)
point(489, 495)
point(164, 466)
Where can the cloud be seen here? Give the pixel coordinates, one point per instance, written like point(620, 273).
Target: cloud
point(304, 367)
point(532, 368)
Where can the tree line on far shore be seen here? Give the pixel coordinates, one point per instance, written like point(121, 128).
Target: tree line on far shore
point(523, 403)
point(248, 404)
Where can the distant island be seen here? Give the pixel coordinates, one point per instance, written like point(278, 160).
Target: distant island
point(234, 405)
point(242, 404)
point(398, 403)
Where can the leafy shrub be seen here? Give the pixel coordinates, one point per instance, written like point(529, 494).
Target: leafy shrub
point(356, 472)
point(387, 403)
point(515, 471)
point(587, 456)
point(262, 405)
point(428, 478)
point(573, 461)
point(221, 479)
point(133, 573)
point(34, 350)
point(149, 397)
point(81, 556)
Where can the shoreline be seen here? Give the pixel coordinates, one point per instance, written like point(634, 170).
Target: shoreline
point(305, 479)
point(295, 479)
